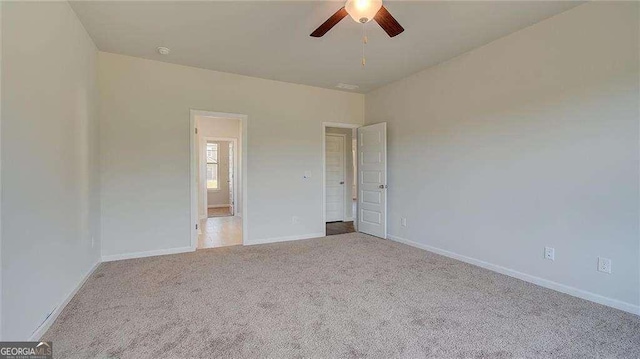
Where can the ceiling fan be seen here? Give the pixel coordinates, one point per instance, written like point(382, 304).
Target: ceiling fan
point(362, 11)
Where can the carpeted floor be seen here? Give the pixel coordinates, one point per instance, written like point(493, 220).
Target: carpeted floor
point(341, 296)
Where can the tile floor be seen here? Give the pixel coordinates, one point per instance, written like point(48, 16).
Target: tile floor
point(220, 232)
point(218, 212)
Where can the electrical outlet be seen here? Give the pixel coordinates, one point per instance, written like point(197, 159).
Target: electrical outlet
point(604, 265)
point(295, 220)
point(549, 253)
point(403, 221)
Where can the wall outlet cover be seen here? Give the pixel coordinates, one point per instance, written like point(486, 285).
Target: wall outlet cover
point(549, 253)
point(604, 265)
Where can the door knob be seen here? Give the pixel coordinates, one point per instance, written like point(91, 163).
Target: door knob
point(382, 186)
point(341, 182)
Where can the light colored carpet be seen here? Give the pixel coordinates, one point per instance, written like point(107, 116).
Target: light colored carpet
point(341, 296)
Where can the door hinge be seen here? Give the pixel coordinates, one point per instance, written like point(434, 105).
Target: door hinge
point(196, 131)
point(196, 226)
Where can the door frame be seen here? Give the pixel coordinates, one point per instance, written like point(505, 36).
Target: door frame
point(324, 174)
point(344, 172)
point(235, 166)
point(193, 166)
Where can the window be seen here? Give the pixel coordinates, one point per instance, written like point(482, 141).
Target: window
point(212, 166)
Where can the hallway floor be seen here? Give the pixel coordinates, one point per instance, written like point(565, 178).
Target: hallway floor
point(334, 228)
point(220, 232)
point(219, 212)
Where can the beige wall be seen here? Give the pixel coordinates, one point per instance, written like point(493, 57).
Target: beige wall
point(145, 150)
point(50, 181)
point(527, 142)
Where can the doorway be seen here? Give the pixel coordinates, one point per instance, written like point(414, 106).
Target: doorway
point(369, 179)
point(220, 169)
point(219, 152)
point(339, 178)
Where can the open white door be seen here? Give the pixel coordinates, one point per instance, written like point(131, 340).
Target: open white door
point(372, 168)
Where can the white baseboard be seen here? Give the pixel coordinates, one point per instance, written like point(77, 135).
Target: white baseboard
point(217, 206)
point(284, 239)
point(597, 298)
point(159, 252)
point(348, 219)
point(39, 332)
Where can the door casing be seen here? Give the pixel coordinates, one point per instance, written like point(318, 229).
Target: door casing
point(193, 170)
point(324, 164)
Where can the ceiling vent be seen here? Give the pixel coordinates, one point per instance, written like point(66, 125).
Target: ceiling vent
point(347, 86)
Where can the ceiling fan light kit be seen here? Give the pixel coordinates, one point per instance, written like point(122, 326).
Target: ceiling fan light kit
point(363, 11)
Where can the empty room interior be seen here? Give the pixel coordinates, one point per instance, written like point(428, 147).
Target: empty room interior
point(320, 179)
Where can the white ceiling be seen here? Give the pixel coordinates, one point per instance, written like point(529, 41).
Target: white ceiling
point(271, 39)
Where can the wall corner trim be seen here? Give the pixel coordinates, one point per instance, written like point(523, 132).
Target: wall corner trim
point(562, 288)
point(159, 252)
point(39, 332)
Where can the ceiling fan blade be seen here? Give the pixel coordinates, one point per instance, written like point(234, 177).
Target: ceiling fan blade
point(388, 22)
point(331, 22)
